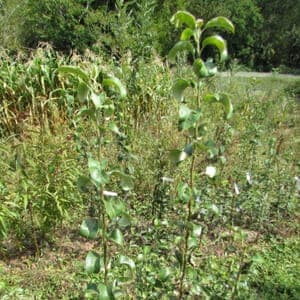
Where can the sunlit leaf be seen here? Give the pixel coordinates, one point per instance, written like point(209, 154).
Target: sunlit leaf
point(76, 71)
point(124, 260)
point(89, 228)
point(186, 34)
point(221, 23)
point(92, 262)
point(117, 236)
point(164, 273)
point(183, 17)
point(97, 172)
point(82, 91)
point(105, 292)
point(200, 69)
point(114, 207)
point(179, 47)
point(115, 84)
point(98, 100)
point(188, 118)
point(179, 88)
point(197, 230)
point(218, 42)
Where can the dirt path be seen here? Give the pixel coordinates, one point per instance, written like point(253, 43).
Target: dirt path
point(259, 74)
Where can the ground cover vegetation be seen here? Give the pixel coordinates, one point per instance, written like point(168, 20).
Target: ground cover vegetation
point(125, 175)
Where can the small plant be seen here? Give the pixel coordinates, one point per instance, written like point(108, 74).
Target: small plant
point(193, 124)
point(108, 213)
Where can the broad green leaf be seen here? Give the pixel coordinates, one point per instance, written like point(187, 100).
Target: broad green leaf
point(218, 42)
point(221, 23)
point(117, 236)
point(200, 69)
point(105, 292)
point(223, 99)
point(164, 274)
point(181, 46)
point(197, 230)
point(126, 183)
point(192, 242)
point(115, 84)
point(228, 107)
point(184, 112)
point(98, 100)
point(115, 129)
point(189, 149)
point(124, 260)
point(184, 192)
point(186, 34)
point(188, 118)
point(97, 172)
point(75, 71)
point(179, 87)
point(91, 292)
point(183, 17)
point(114, 207)
point(89, 228)
point(82, 91)
point(92, 262)
point(176, 156)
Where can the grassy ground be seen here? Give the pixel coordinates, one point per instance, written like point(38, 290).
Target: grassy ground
point(250, 246)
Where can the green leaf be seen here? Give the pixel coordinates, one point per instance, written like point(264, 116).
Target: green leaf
point(186, 34)
point(115, 84)
point(115, 129)
point(97, 172)
point(197, 230)
point(223, 99)
point(218, 42)
point(183, 17)
point(114, 207)
point(75, 71)
point(82, 91)
point(126, 183)
point(91, 292)
point(177, 156)
point(164, 274)
point(92, 262)
point(228, 107)
point(98, 100)
point(188, 118)
point(105, 292)
point(117, 236)
point(181, 46)
point(89, 228)
point(124, 260)
point(179, 87)
point(221, 23)
point(200, 69)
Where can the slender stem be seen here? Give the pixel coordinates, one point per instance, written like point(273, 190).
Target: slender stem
point(101, 202)
point(187, 232)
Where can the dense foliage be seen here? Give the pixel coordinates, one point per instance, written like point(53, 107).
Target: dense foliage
point(267, 31)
